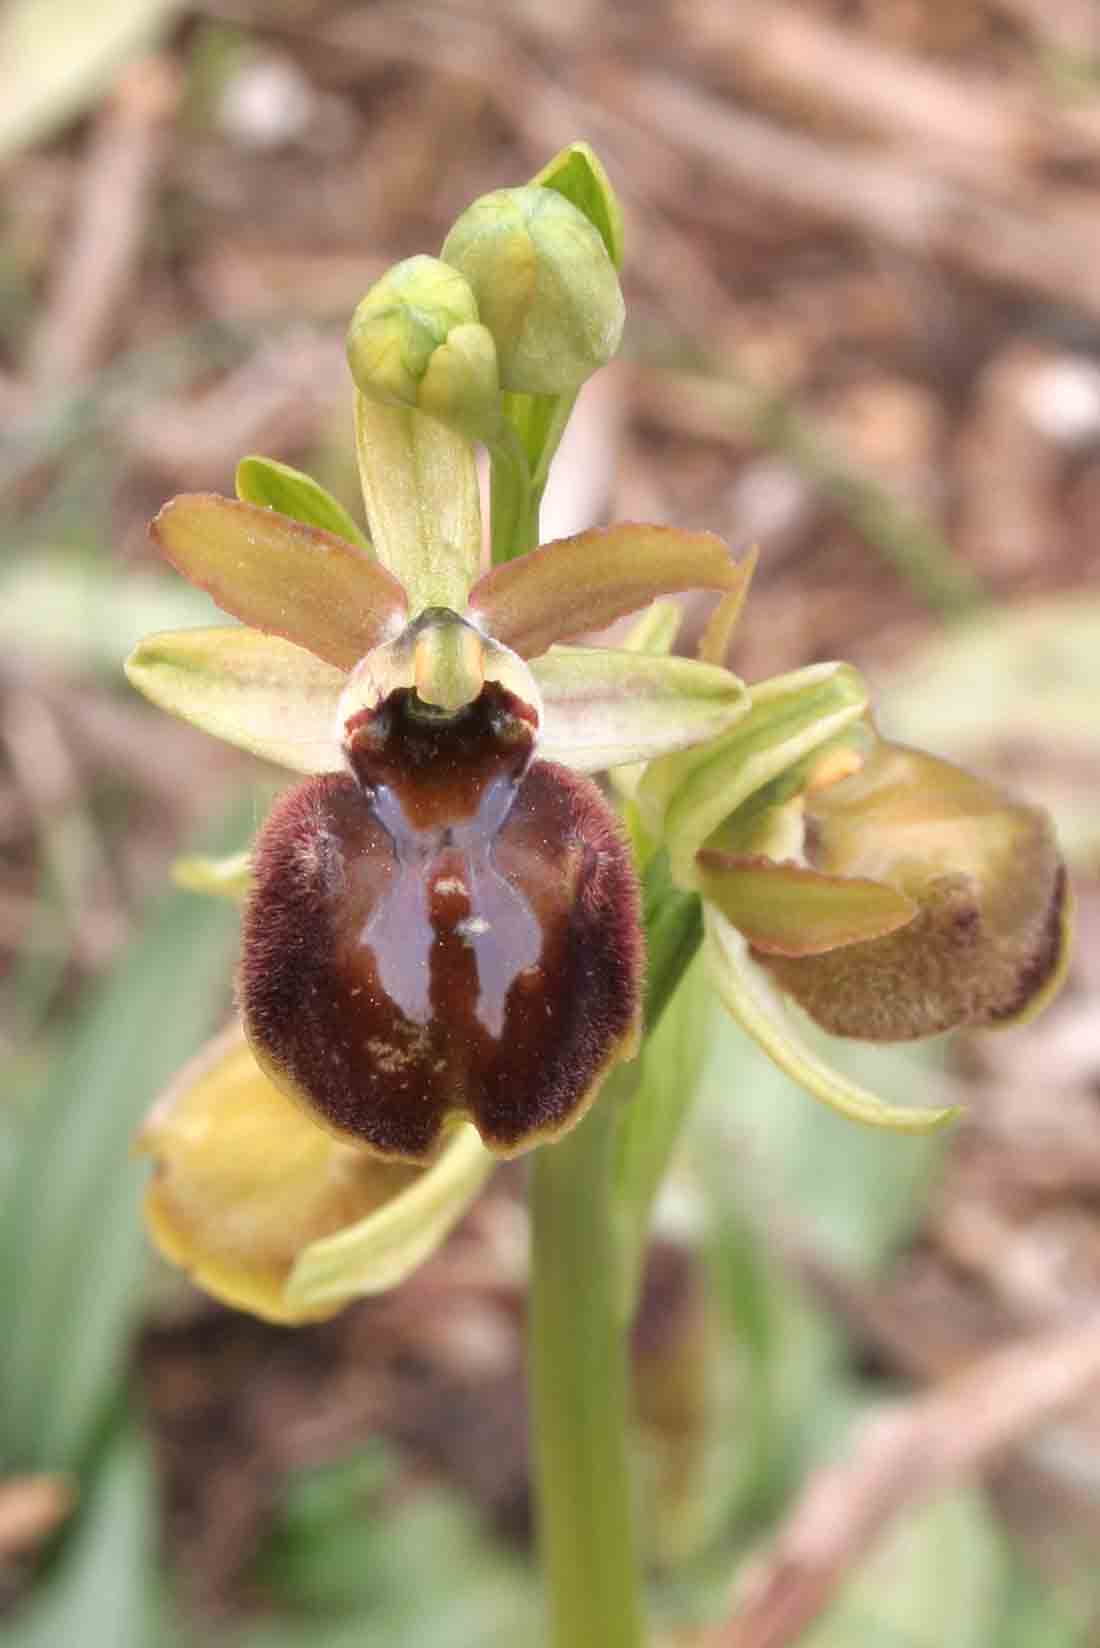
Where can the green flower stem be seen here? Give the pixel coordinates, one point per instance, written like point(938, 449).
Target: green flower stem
point(531, 430)
point(514, 506)
point(579, 1389)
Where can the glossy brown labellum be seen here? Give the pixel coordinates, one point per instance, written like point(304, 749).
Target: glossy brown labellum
point(452, 929)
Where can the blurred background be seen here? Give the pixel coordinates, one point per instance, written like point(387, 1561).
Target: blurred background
point(863, 281)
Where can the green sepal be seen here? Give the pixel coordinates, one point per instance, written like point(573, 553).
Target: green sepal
point(291, 492)
point(685, 798)
point(255, 691)
point(605, 708)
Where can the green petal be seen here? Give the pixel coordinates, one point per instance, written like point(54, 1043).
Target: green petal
point(255, 691)
point(423, 508)
point(746, 994)
point(603, 708)
point(585, 582)
point(228, 877)
point(382, 1249)
point(686, 797)
point(789, 910)
point(277, 486)
point(282, 577)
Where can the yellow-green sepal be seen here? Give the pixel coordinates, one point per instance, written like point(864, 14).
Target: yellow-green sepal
point(255, 691)
point(604, 707)
point(273, 1214)
point(291, 492)
point(394, 1239)
point(748, 996)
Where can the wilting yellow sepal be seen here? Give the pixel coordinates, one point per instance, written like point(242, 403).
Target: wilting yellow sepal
point(245, 1184)
point(382, 1249)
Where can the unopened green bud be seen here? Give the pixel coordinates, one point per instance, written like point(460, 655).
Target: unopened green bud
point(461, 386)
point(415, 341)
point(545, 287)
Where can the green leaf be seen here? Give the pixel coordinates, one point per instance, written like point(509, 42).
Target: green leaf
point(281, 577)
point(277, 486)
point(102, 1593)
point(423, 507)
point(604, 708)
point(255, 691)
point(577, 173)
point(72, 1254)
point(585, 582)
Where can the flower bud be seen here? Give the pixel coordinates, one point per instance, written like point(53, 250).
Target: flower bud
point(987, 945)
point(415, 341)
point(449, 930)
point(545, 287)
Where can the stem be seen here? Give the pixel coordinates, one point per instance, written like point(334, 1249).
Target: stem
point(579, 1389)
point(513, 507)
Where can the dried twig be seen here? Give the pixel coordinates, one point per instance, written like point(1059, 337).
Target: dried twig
point(52, 787)
point(904, 1456)
point(972, 129)
point(1048, 246)
point(114, 192)
point(712, 407)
